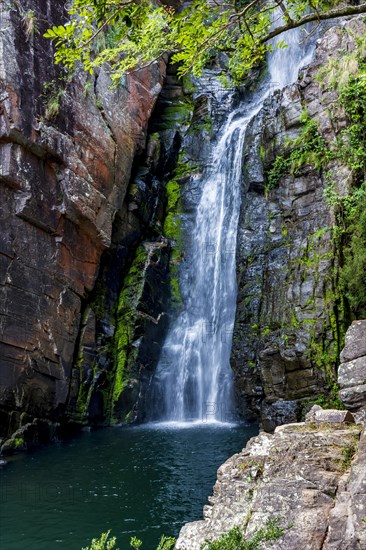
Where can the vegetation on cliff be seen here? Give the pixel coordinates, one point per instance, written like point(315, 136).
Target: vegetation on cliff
point(348, 77)
point(132, 34)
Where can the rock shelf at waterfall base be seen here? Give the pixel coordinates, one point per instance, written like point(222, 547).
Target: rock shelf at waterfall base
point(305, 475)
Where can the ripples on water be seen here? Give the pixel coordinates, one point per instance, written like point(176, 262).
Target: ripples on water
point(142, 481)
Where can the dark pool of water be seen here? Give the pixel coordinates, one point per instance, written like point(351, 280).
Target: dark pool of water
point(141, 481)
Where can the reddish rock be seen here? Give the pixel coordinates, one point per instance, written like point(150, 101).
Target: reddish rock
point(62, 181)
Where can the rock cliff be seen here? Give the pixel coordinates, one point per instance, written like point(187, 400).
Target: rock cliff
point(307, 478)
point(291, 315)
point(352, 370)
point(67, 150)
point(92, 218)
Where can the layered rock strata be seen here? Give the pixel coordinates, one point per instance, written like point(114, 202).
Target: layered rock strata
point(310, 476)
point(67, 150)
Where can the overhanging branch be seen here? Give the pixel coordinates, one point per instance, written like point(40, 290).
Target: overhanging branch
point(316, 16)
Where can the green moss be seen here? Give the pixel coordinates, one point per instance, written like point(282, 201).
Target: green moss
point(84, 390)
point(98, 302)
point(205, 126)
point(125, 324)
point(123, 340)
point(328, 400)
point(188, 86)
point(83, 398)
point(172, 230)
point(18, 442)
point(178, 113)
point(173, 226)
point(348, 454)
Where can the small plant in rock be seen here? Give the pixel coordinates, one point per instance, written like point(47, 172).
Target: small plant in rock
point(348, 454)
point(309, 148)
point(30, 24)
point(103, 543)
point(106, 543)
point(236, 540)
point(52, 95)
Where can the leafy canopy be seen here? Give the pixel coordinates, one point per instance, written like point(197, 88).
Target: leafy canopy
point(130, 34)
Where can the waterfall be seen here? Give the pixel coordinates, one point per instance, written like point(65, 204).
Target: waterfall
point(193, 380)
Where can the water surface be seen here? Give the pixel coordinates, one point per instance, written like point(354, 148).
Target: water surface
point(141, 481)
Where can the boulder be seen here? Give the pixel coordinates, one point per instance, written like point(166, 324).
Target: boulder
point(352, 370)
point(355, 343)
point(352, 373)
point(317, 414)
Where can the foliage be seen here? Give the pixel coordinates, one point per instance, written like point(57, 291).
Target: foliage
point(348, 453)
point(166, 543)
point(353, 147)
point(350, 229)
point(330, 401)
point(18, 442)
point(106, 543)
point(308, 148)
point(103, 543)
point(235, 539)
point(336, 74)
point(353, 271)
point(135, 543)
point(129, 34)
point(52, 95)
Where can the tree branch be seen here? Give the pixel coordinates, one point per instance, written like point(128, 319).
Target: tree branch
point(331, 14)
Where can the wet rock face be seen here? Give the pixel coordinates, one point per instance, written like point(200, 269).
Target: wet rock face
point(307, 474)
point(290, 319)
point(352, 370)
point(66, 154)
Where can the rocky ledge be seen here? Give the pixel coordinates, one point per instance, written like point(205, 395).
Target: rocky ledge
point(310, 476)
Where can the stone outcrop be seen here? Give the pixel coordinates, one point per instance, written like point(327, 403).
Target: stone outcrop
point(67, 150)
point(291, 317)
point(352, 370)
point(310, 476)
point(306, 474)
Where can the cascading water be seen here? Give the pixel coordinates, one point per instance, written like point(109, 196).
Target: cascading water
point(193, 380)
